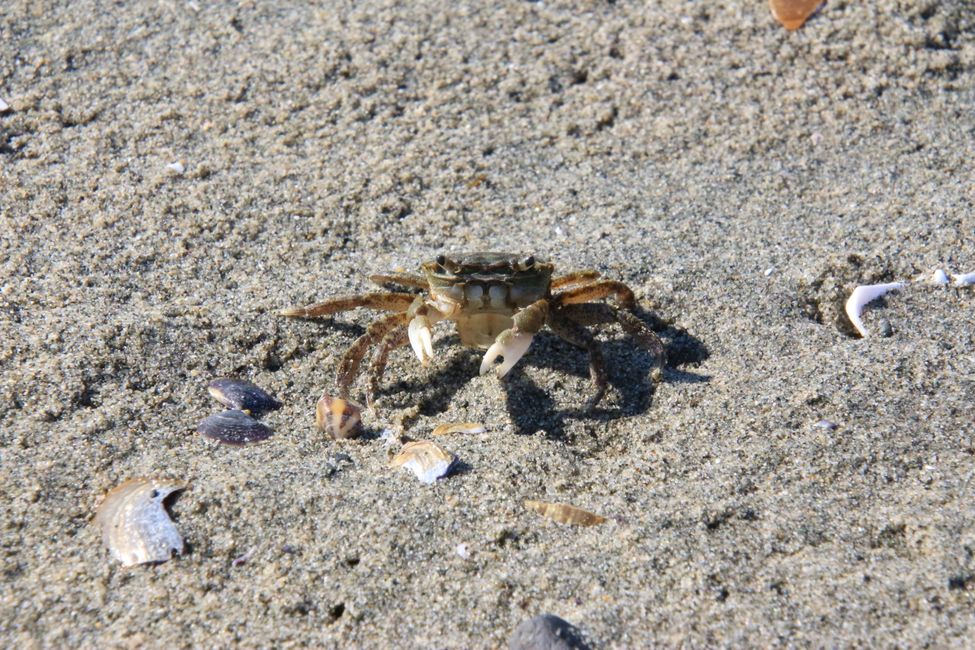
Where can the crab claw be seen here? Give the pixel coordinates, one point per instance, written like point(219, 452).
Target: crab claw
point(511, 345)
point(421, 339)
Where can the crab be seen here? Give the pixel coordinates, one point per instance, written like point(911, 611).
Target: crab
point(498, 302)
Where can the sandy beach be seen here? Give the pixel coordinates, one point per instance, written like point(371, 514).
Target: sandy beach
point(173, 174)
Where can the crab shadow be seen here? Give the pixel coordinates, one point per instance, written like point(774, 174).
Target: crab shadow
point(534, 408)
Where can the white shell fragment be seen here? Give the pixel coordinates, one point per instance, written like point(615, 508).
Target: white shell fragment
point(3, 106)
point(939, 277)
point(176, 167)
point(425, 459)
point(458, 427)
point(862, 296)
point(135, 525)
point(965, 279)
point(565, 513)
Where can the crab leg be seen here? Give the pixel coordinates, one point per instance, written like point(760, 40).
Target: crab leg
point(393, 339)
point(385, 301)
point(571, 331)
point(400, 279)
point(513, 343)
point(597, 313)
point(597, 290)
point(349, 365)
point(577, 277)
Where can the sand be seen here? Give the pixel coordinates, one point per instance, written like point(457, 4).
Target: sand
point(742, 179)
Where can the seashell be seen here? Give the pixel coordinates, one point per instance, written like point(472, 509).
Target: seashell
point(458, 427)
point(242, 395)
point(548, 632)
point(864, 295)
point(3, 106)
point(939, 277)
point(428, 461)
point(793, 13)
point(135, 525)
point(565, 514)
point(965, 279)
point(234, 427)
point(338, 418)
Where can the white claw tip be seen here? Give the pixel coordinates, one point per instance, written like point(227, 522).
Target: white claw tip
point(421, 340)
point(512, 348)
point(863, 295)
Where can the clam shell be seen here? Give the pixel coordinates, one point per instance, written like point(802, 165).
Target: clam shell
point(234, 427)
point(338, 418)
point(428, 461)
point(793, 13)
point(458, 427)
point(135, 525)
point(242, 395)
point(565, 514)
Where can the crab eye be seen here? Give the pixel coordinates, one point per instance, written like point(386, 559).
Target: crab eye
point(442, 261)
point(526, 263)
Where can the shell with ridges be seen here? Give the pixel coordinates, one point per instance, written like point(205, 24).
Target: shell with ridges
point(234, 427)
point(428, 461)
point(339, 418)
point(242, 395)
point(564, 513)
point(134, 523)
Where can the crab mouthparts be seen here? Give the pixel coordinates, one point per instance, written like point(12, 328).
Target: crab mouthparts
point(510, 344)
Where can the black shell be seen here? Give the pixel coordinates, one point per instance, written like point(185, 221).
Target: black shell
point(234, 427)
point(242, 395)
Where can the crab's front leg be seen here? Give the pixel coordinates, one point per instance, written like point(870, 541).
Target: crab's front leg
point(422, 317)
point(512, 344)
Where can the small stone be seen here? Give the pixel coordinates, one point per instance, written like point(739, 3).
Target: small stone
point(546, 632)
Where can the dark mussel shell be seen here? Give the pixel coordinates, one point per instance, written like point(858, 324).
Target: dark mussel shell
point(234, 427)
point(242, 395)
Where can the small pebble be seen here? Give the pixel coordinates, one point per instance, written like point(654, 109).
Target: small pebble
point(546, 632)
point(827, 425)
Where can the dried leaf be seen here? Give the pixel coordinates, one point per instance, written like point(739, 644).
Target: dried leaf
point(565, 514)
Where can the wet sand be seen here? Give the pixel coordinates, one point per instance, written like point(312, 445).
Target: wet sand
point(742, 179)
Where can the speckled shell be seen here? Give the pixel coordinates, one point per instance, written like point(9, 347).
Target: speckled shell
point(242, 395)
point(337, 417)
point(234, 427)
point(565, 514)
point(134, 523)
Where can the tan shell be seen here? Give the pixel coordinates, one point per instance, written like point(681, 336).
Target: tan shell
point(428, 461)
point(565, 514)
point(338, 418)
point(135, 525)
point(793, 13)
point(458, 427)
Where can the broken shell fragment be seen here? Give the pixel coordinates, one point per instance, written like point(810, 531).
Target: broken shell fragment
point(338, 418)
point(793, 13)
point(965, 279)
point(234, 427)
point(939, 277)
point(458, 427)
point(864, 295)
point(242, 395)
point(135, 525)
point(563, 513)
point(428, 461)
